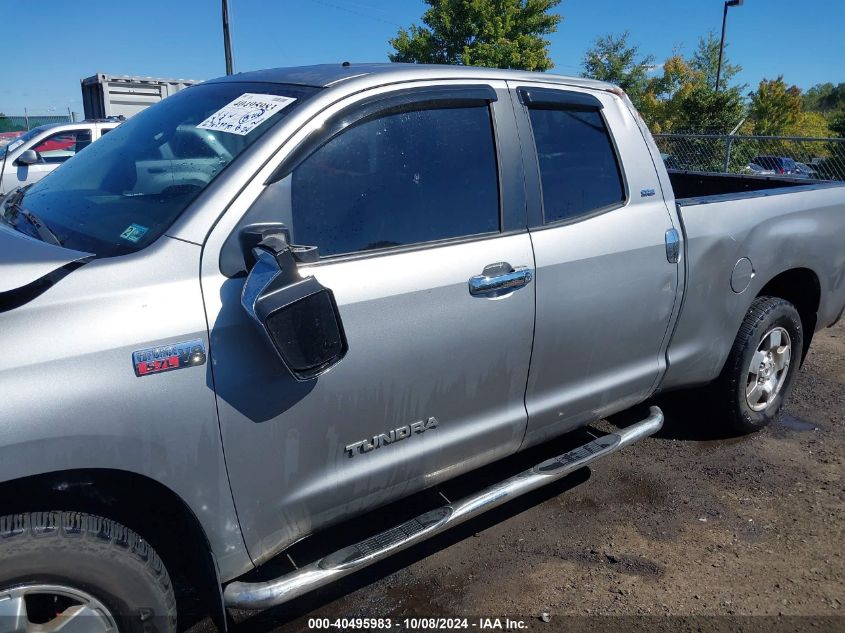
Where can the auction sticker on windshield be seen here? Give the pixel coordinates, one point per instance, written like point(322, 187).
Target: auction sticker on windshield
point(245, 113)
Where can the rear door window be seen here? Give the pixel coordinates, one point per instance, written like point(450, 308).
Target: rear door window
point(579, 170)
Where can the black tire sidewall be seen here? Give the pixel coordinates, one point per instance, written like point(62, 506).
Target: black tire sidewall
point(781, 314)
point(115, 575)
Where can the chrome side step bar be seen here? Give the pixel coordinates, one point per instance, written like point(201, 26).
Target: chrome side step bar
point(261, 595)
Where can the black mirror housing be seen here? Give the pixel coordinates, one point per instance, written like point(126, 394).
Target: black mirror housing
point(303, 323)
point(250, 236)
point(298, 316)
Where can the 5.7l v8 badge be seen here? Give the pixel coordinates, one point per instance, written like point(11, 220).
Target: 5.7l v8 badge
point(156, 360)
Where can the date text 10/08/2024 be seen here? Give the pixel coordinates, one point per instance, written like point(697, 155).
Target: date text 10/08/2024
point(504, 624)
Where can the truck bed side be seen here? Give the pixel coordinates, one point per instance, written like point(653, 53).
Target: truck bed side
point(791, 227)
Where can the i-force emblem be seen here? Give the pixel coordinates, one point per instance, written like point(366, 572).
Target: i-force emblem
point(156, 360)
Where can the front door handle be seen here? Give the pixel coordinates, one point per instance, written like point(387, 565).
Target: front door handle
point(498, 279)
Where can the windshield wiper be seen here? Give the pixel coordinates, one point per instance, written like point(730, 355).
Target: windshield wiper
point(8, 201)
point(13, 201)
point(43, 230)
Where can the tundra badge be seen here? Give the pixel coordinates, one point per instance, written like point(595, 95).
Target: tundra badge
point(394, 435)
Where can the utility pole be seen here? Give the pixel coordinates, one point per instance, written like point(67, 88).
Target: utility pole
point(227, 41)
point(728, 3)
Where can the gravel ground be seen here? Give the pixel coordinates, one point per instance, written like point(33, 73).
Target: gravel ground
point(690, 523)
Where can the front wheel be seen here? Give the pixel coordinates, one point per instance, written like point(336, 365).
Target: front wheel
point(67, 571)
point(762, 364)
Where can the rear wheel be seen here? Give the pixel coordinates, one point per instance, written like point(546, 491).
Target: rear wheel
point(762, 364)
point(69, 572)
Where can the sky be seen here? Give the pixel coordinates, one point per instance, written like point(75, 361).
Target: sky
point(51, 44)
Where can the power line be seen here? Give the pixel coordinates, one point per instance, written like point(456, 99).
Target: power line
point(356, 12)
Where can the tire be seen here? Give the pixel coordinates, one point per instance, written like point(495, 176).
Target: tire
point(42, 554)
point(749, 401)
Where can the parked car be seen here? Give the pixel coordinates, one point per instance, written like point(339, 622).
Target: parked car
point(33, 155)
point(805, 171)
point(832, 168)
point(8, 137)
point(279, 300)
point(781, 165)
point(758, 170)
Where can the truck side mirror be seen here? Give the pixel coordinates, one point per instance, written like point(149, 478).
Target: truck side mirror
point(297, 315)
point(28, 157)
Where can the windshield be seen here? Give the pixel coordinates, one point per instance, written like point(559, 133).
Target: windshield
point(125, 190)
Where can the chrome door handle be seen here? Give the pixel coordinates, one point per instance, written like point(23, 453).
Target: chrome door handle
point(498, 279)
point(673, 246)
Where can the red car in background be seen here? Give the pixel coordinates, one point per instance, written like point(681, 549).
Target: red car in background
point(57, 143)
point(8, 137)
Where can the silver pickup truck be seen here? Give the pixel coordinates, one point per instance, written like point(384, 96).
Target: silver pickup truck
point(33, 155)
point(278, 301)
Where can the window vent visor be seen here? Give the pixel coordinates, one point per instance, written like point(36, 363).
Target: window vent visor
point(550, 98)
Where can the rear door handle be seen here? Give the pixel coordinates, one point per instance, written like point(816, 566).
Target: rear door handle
point(498, 279)
point(673, 246)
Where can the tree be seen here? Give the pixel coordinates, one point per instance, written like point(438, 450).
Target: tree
point(494, 33)
point(811, 124)
point(837, 124)
point(612, 59)
point(834, 166)
point(683, 99)
point(824, 98)
point(705, 60)
point(775, 108)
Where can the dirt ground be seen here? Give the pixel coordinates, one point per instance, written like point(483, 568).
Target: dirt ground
point(689, 523)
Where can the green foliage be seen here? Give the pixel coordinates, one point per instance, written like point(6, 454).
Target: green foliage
point(775, 108)
point(811, 124)
point(613, 60)
point(683, 97)
point(493, 33)
point(824, 98)
point(705, 60)
point(837, 124)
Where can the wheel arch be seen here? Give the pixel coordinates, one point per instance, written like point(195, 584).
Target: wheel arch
point(142, 504)
point(802, 288)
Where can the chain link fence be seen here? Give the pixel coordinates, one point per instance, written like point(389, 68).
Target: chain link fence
point(25, 122)
point(819, 158)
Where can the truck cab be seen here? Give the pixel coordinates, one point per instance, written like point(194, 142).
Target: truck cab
point(30, 157)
